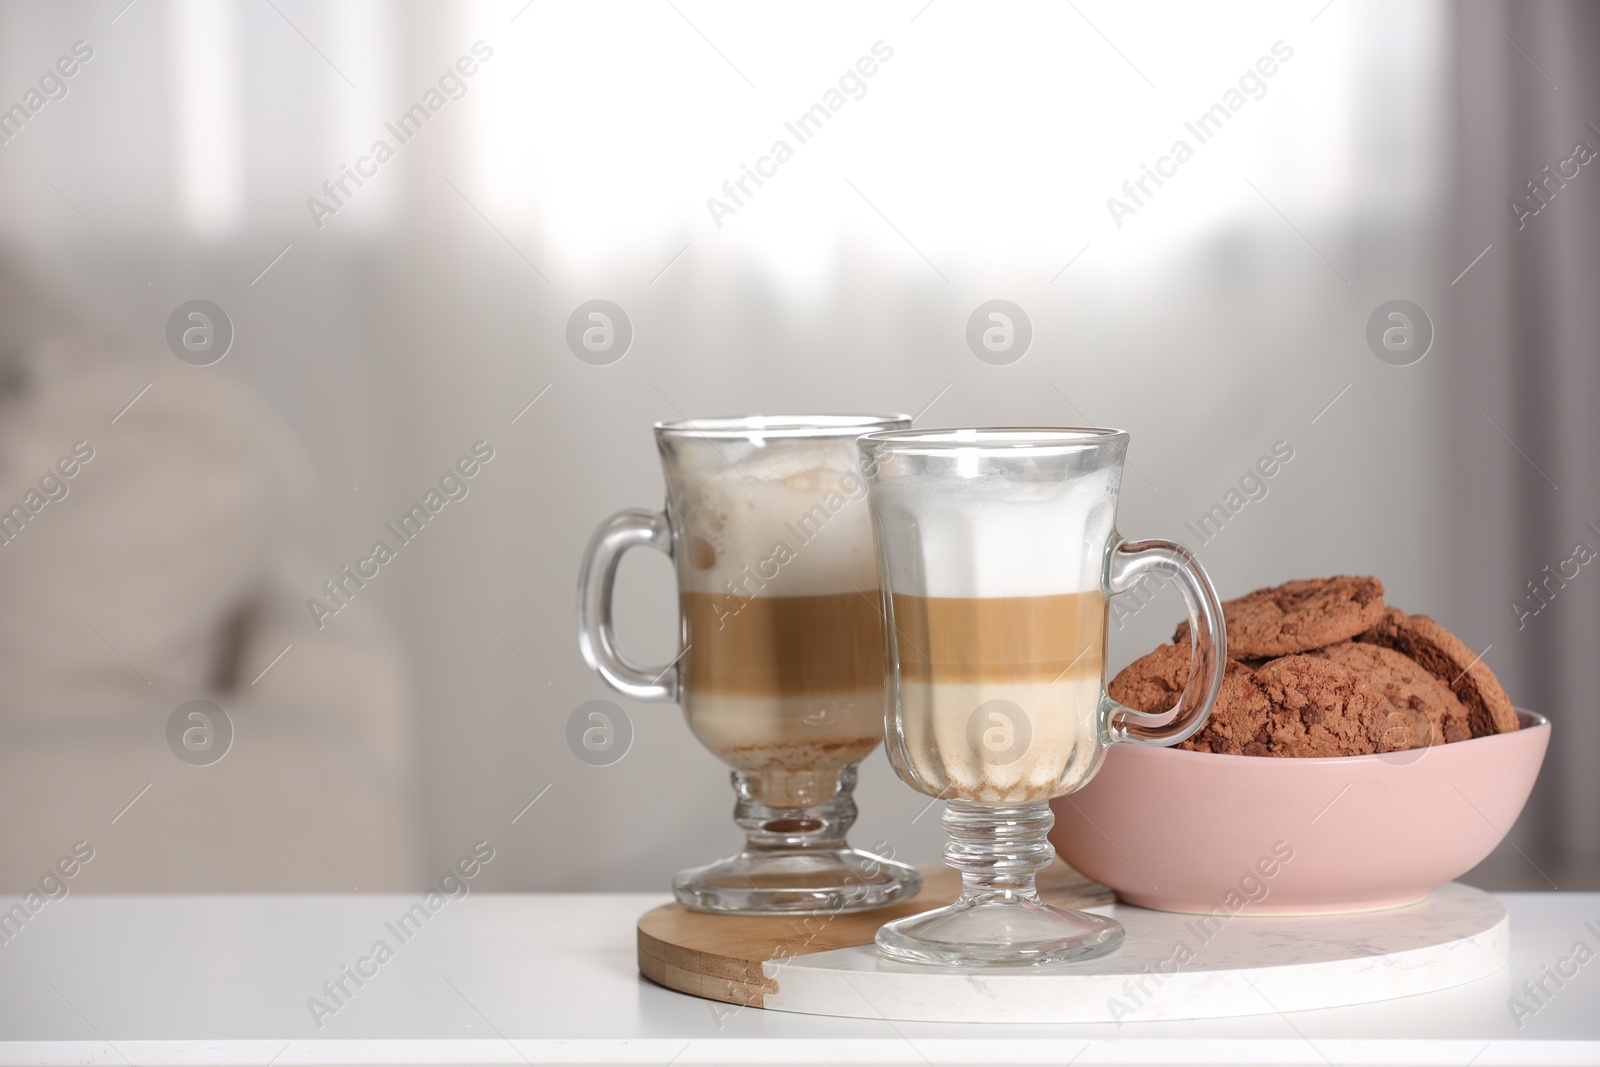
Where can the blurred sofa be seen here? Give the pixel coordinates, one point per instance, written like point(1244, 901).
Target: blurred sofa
point(160, 571)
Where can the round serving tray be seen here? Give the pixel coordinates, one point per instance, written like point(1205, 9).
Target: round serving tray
point(1172, 965)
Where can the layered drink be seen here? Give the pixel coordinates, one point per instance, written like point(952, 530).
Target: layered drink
point(995, 547)
point(1000, 633)
point(783, 668)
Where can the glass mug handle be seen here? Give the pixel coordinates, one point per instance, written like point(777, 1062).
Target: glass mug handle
point(1126, 563)
point(597, 635)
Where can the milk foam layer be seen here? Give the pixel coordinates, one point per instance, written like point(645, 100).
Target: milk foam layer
point(787, 518)
point(1000, 537)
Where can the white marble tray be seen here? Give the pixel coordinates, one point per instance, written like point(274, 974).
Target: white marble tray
point(1235, 966)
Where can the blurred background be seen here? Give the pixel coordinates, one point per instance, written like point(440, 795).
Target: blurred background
point(390, 213)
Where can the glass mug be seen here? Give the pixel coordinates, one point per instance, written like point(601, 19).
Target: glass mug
point(781, 672)
point(997, 551)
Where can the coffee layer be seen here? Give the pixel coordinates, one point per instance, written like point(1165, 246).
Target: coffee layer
point(782, 646)
point(999, 696)
point(999, 639)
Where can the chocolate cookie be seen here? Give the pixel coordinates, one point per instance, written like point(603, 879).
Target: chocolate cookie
point(1153, 681)
point(1322, 708)
point(1297, 616)
point(1406, 684)
point(1238, 723)
point(1238, 720)
point(1444, 655)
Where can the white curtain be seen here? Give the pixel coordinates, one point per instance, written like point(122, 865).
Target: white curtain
point(1523, 344)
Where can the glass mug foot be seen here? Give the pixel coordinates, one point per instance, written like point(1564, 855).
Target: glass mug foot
point(795, 857)
point(786, 881)
point(989, 932)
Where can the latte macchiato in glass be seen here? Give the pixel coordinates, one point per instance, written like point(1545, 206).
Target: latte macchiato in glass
point(782, 630)
point(997, 549)
point(1000, 627)
point(781, 673)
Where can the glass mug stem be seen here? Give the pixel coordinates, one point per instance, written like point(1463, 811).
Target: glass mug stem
point(814, 826)
point(998, 850)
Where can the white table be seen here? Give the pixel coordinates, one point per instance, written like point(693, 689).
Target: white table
point(550, 978)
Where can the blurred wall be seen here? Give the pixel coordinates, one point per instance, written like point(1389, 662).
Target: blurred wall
point(1225, 314)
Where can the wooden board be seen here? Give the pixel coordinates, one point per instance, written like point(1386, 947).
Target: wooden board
point(720, 957)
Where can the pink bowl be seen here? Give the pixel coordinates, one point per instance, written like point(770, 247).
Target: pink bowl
point(1197, 832)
